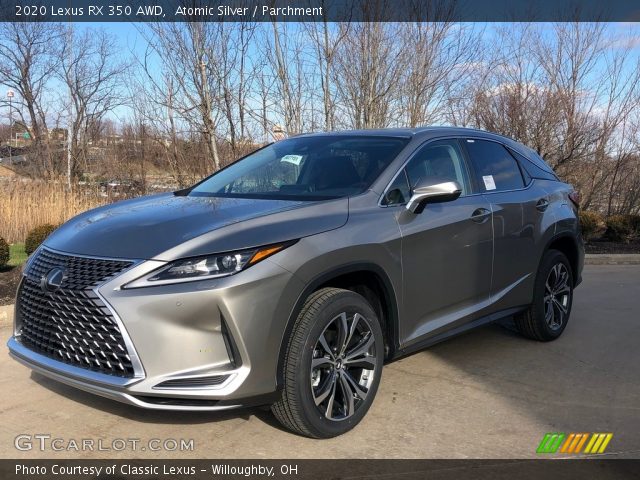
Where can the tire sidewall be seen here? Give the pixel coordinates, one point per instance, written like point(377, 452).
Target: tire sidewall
point(551, 258)
point(349, 302)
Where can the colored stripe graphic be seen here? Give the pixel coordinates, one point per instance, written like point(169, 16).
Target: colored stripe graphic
point(581, 443)
point(598, 442)
point(550, 443)
point(573, 442)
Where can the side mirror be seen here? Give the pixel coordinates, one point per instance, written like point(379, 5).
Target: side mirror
point(429, 192)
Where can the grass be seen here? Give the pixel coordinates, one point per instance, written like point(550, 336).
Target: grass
point(27, 204)
point(17, 255)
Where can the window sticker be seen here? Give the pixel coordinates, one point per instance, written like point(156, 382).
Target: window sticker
point(295, 159)
point(489, 183)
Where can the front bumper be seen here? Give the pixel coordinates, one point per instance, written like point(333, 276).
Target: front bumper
point(98, 385)
point(229, 329)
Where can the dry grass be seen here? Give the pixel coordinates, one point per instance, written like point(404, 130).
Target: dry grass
point(26, 204)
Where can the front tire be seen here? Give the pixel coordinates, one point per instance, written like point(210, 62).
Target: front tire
point(332, 365)
point(547, 317)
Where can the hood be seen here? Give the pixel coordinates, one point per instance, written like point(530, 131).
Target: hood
point(147, 227)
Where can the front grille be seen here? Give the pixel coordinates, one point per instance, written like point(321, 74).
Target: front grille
point(72, 324)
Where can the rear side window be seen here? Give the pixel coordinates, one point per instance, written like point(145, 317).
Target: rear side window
point(533, 169)
point(496, 169)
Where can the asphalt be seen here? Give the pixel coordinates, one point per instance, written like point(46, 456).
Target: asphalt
point(486, 394)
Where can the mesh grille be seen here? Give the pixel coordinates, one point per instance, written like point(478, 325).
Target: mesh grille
point(72, 324)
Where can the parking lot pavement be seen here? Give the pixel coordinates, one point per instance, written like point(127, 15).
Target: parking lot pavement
point(486, 394)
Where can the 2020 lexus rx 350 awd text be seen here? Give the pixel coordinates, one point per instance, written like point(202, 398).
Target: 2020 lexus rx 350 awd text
point(289, 277)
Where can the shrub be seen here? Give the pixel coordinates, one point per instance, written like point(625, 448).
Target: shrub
point(36, 237)
point(4, 252)
point(622, 228)
point(592, 224)
point(634, 222)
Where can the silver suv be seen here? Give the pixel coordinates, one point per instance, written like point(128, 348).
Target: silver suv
point(289, 277)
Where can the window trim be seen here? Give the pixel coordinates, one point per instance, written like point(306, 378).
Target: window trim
point(552, 175)
point(465, 158)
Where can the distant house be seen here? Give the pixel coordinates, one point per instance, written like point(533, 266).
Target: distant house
point(58, 134)
point(21, 135)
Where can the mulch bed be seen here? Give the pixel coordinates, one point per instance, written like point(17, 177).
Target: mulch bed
point(608, 248)
point(9, 279)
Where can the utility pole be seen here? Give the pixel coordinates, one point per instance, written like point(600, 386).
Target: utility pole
point(70, 124)
point(10, 95)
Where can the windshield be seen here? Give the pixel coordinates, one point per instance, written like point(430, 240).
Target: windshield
point(306, 168)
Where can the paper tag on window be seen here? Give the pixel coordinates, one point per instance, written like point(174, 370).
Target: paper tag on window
point(295, 159)
point(489, 183)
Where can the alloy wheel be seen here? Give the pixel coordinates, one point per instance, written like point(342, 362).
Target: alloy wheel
point(343, 366)
point(557, 296)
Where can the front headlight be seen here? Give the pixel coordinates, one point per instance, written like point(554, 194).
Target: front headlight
point(202, 268)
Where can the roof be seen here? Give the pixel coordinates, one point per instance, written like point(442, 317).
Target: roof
point(409, 132)
point(436, 131)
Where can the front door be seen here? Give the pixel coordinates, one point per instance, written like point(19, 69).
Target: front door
point(447, 250)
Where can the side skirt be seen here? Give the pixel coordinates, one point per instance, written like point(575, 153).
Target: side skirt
point(421, 345)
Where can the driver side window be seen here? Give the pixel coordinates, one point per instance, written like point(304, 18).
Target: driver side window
point(441, 160)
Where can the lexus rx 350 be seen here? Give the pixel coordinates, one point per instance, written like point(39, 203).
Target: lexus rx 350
point(289, 277)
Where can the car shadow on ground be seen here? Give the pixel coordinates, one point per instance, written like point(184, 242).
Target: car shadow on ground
point(132, 412)
point(159, 417)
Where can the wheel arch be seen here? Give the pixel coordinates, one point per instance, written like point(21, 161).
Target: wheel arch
point(367, 279)
point(567, 244)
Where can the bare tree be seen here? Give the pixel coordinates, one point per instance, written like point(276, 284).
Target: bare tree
point(325, 39)
point(285, 57)
point(232, 73)
point(439, 57)
point(29, 56)
point(182, 49)
point(92, 70)
point(368, 71)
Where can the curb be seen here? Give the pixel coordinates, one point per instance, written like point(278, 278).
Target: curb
point(614, 259)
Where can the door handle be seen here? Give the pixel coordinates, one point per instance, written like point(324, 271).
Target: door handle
point(480, 215)
point(542, 204)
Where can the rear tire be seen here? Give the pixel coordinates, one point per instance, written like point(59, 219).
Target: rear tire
point(332, 365)
point(547, 317)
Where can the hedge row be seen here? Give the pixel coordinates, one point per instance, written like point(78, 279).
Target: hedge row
point(617, 228)
point(4, 252)
point(33, 241)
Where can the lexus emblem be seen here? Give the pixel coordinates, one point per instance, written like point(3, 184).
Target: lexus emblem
point(52, 280)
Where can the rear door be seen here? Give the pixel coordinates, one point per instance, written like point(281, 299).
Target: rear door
point(446, 249)
point(518, 205)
